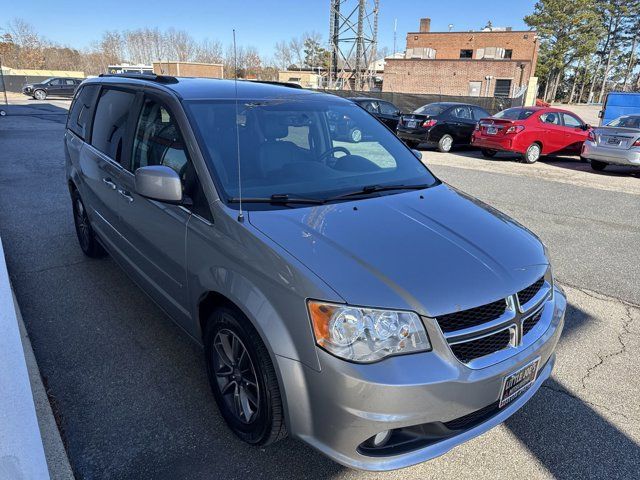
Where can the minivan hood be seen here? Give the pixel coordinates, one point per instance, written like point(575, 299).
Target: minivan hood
point(433, 251)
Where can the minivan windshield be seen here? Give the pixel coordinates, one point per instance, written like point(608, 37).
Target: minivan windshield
point(301, 148)
point(514, 114)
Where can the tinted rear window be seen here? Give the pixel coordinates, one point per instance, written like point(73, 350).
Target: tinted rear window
point(432, 109)
point(625, 122)
point(80, 112)
point(110, 122)
point(514, 114)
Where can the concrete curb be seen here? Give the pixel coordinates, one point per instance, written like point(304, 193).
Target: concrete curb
point(24, 423)
point(54, 451)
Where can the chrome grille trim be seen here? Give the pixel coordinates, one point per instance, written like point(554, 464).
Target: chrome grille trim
point(513, 319)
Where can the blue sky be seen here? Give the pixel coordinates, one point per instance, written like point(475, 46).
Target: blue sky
point(77, 23)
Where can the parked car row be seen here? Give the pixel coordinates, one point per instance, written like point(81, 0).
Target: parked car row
point(528, 132)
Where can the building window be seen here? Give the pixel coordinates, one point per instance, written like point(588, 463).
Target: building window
point(421, 52)
point(466, 53)
point(508, 53)
point(502, 88)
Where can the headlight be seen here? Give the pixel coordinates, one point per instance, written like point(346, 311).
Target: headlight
point(366, 334)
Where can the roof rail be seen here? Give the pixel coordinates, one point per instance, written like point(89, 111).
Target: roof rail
point(282, 84)
point(152, 77)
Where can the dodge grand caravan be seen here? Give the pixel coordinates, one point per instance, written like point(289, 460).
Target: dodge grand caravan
point(342, 293)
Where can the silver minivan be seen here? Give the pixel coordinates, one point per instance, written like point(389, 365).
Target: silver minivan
point(342, 293)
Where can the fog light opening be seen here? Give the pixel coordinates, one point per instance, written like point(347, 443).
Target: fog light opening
point(380, 439)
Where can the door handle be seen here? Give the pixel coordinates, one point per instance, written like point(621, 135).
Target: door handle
point(109, 183)
point(126, 195)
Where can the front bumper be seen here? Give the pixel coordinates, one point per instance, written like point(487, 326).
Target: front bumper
point(615, 156)
point(338, 408)
point(27, 91)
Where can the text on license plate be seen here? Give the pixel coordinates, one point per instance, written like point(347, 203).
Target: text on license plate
point(613, 141)
point(492, 130)
point(516, 383)
point(411, 124)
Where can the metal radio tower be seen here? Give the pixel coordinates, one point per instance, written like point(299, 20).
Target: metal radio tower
point(353, 37)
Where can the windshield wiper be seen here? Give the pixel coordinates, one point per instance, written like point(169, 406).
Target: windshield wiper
point(369, 189)
point(278, 199)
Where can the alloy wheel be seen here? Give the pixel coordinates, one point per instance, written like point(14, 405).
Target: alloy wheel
point(40, 95)
point(236, 376)
point(82, 225)
point(447, 143)
point(356, 135)
point(533, 153)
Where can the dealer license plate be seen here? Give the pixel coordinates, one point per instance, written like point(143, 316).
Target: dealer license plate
point(492, 130)
point(516, 383)
point(411, 124)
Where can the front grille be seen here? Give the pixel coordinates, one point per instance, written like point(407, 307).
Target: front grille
point(480, 347)
point(473, 418)
point(531, 322)
point(528, 293)
point(472, 317)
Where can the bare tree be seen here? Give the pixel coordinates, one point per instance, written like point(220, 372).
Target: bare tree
point(209, 51)
point(180, 45)
point(283, 55)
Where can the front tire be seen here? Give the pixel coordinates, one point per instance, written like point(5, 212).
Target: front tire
point(86, 236)
point(532, 154)
point(445, 143)
point(598, 166)
point(243, 379)
point(40, 95)
point(488, 153)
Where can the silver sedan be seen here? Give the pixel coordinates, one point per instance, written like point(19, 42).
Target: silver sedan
point(617, 143)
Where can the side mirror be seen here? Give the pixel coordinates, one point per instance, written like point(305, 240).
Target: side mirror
point(417, 153)
point(586, 127)
point(158, 182)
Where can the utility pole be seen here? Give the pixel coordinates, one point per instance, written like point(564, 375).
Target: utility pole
point(353, 32)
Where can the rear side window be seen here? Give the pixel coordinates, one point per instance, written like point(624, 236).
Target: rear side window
point(550, 117)
point(460, 113)
point(80, 112)
point(110, 122)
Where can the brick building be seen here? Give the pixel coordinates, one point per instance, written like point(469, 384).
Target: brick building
point(491, 62)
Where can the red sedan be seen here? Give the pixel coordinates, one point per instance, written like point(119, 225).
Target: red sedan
point(531, 132)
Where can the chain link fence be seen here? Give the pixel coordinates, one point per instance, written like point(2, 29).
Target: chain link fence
point(408, 102)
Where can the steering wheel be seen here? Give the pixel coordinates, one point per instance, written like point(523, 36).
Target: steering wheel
point(331, 151)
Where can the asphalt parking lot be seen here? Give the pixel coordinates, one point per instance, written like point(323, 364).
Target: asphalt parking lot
point(130, 391)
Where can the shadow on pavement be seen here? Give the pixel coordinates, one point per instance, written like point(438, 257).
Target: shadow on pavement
point(571, 439)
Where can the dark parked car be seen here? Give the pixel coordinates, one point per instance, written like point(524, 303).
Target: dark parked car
point(440, 124)
point(55, 87)
point(384, 111)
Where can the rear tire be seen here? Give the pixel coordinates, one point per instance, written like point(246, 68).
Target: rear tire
point(445, 143)
point(243, 379)
point(532, 154)
point(598, 166)
point(488, 153)
point(86, 236)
